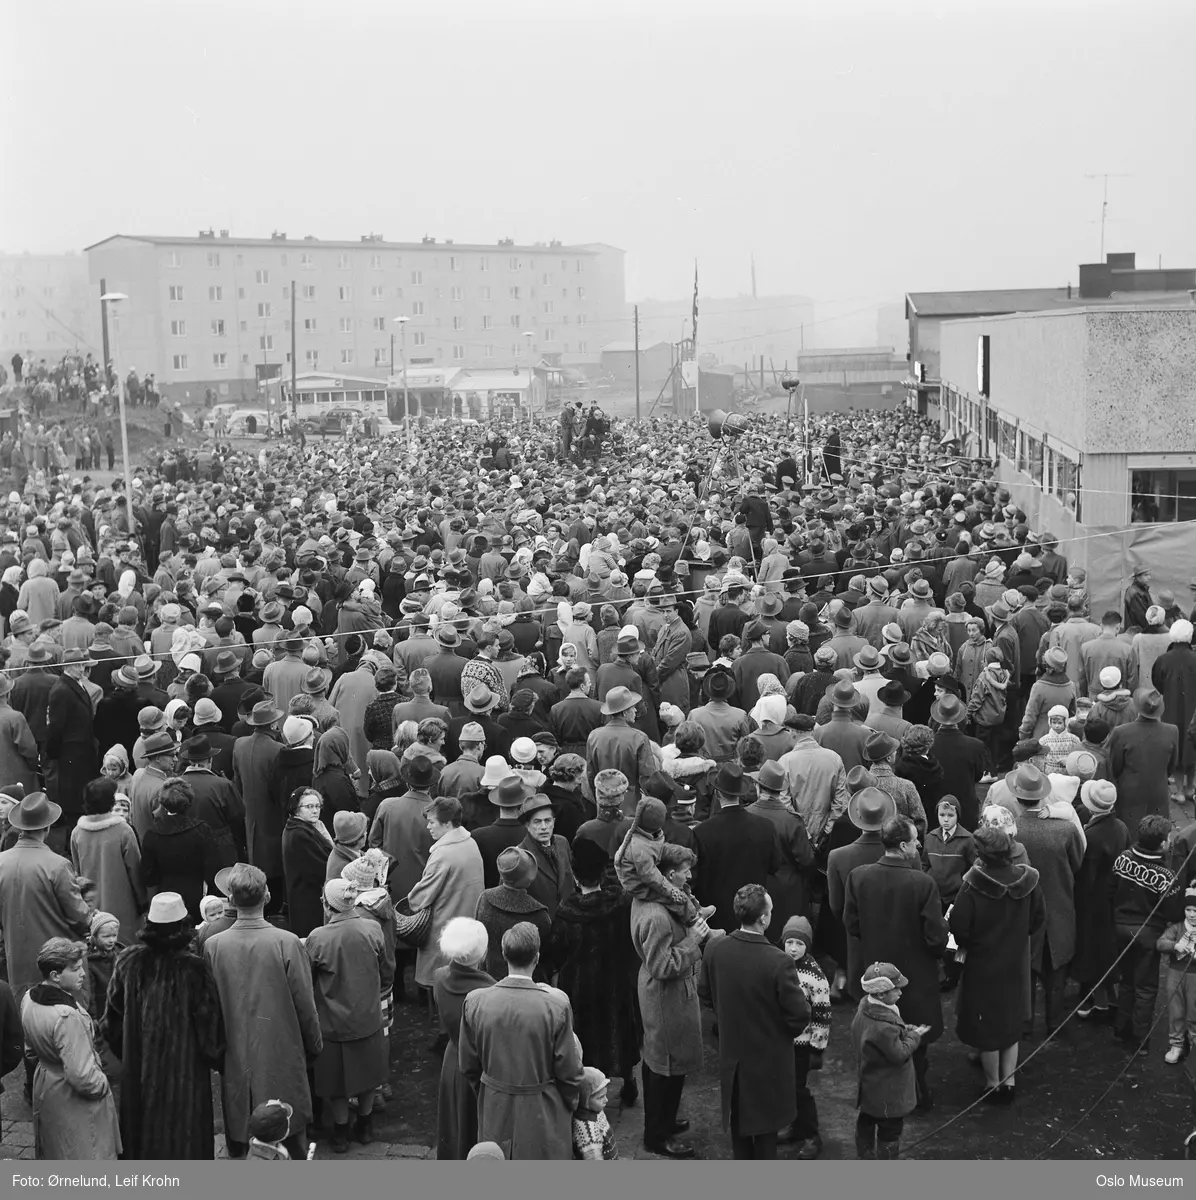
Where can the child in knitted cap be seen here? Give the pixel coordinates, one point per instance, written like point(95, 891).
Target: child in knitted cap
point(593, 1137)
point(636, 859)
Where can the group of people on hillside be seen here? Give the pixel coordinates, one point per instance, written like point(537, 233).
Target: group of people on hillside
point(568, 753)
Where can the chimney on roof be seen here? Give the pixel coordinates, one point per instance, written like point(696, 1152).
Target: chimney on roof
point(429, 241)
point(207, 233)
point(224, 233)
point(448, 241)
point(278, 237)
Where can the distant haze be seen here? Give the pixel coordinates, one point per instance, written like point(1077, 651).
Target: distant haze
point(859, 150)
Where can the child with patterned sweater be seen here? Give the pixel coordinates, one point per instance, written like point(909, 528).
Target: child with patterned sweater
point(797, 938)
point(593, 1137)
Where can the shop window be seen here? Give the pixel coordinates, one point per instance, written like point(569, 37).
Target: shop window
point(1159, 495)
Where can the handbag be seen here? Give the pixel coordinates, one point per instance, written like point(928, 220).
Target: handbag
point(412, 928)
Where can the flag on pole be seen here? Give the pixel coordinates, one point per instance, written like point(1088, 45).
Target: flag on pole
point(695, 313)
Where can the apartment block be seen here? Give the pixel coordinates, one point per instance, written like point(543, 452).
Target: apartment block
point(214, 311)
point(48, 307)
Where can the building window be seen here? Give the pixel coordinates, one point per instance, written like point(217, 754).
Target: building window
point(458, 353)
point(418, 339)
point(244, 326)
point(178, 328)
point(417, 277)
point(581, 318)
point(417, 308)
point(176, 293)
point(309, 324)
point(309, 291)
point(218, 327)
point(548, 306)
point(514, 293)
point(220, 361)
point(458, 322)
point(342, 262)
point(213, 259)
point(398, 293)
point(581, 293)
point(284, 263)
point(381, 356)
point(286, 293)
point(266, 342)
point(380, 324)
point(483, 263)
point(180, 362)
point(582, 347)
point(173, 259)
point(345, 324)
point(240, 293)
point(216, 294)
point(311, 357)
point(305, 262)
point(456, 294)
point(546, 279)
point(378, 293)
point(550, 335)
point(244, 359)
point(513, 264)
point(581, 265)
point(375, 262)
point(515, 321)
point(261, 276)
point(564, 264)
point(346, 357)
point(265, 309)
point(489, 351)
point(1158, 494)
point(485, 293)
point(487, 322)
point(454, 262)
point(398, 260)
point(517, 349)
point(344, 293)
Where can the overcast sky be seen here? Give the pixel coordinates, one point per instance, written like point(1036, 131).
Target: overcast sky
point(859, 150)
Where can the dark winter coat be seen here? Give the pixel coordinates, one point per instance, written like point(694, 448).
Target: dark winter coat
point(163, 1022)
point(892, 913)
point(1174, 674)
point(1142, 755)
point(925, 772)
point(457, 1106)
point(755, 993)
point(292, 769)
point(554, 877)
point(964, 761)
point(71, 758)
point(788, 886)
point(735, 847)
point(590, 946)
point(179, 854)
point(884, 1047)
point(1096, 934)
point(501, 908)
point(304, 866)
point(339, 794)
point(996, 913)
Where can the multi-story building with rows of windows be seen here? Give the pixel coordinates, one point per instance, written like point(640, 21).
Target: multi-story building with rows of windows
point(212, 311)
point(47, 308)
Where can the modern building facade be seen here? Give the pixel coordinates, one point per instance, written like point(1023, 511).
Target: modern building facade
point(1090, 413)
point(214, 311)
point(48, 307)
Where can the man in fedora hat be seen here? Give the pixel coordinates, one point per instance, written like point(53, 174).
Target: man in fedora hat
point(885, 714)
point(1142, 756)
point(400, 827)
point(892, 907)
point(446, 667)
point(283, 678)
point(70, 748)
point(39, 896)
point(846, 644)
point(720, 718)
point(1055, 849)
point(228, 687)
point(554, 880)
point(756, 660)
point(734, 847)
point(479, 706)
point(844, 733)
point(868, 809)
point(788, 888)
point(19, 753)
point(619, 745)
point(880, 753)
point(31, 691)
point(964, 758)
point(872, 616)
point(254, 762)
point(506, 792)
point(270, 1018)
point(633, 669)
point(158, 751)
point(216, 801)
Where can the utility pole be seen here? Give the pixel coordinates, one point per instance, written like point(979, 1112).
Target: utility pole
point(637, 362)
point(1104, 207)
point(104, 326)
point(294, 356)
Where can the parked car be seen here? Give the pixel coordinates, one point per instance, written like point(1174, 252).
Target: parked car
point(336, 420)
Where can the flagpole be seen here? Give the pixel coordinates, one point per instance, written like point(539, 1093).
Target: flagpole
point(697, 368)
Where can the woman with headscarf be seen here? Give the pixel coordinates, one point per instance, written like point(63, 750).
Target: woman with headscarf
point(532, 678)
point(768, 713)
point(163, 1021)
point(104, 848)
point(178, 853)
point(306, 845)
point(334, 773)
point(126, 589)
point(350, 974)
point(178, 714)
point(464, 943)
point(74, 1114)
point(931, 637)
point(10, 588)
point(39, 593)
point(385, 776)
point(115, 766)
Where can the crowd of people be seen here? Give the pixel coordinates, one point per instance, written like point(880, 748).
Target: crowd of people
point(569, 752)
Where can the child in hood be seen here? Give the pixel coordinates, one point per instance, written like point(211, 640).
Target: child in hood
point(593, 1137)
point(797, 940)
point(1178, 943)
point(1113, 702)
point(1057, 743)
point(636, 869)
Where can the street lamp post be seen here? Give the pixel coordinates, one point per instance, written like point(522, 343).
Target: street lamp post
point(111, 298)
point(531, 382)
point(401, 322)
